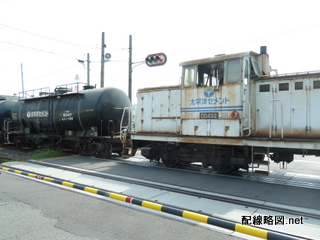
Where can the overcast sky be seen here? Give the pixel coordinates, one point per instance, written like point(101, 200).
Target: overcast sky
point(48, 37)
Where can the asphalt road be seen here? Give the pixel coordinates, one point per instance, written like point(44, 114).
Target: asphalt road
point(34, 210)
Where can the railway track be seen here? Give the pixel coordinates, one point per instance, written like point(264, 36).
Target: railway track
point(279, 178)
point(196, 192)
point(246, 202)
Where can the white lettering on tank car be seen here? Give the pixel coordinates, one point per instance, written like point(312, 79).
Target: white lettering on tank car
point(67, 116)
point(37, 114)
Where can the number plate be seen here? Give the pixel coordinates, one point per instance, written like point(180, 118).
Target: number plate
point(209, 115)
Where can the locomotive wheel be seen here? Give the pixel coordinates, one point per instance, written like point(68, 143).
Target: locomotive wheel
point(168, 160)
point(105, 150)
point(224, 170)
point(169, 163)
point(205, 164)
point(221, 164)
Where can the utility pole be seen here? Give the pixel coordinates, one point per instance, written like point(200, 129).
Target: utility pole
point(103, 45)
point(130, 69)
point(88, 69)
point(22, 81)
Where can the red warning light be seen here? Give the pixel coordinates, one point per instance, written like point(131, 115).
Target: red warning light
point(157, 59)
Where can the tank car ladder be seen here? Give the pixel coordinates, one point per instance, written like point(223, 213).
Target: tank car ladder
point(6, 131)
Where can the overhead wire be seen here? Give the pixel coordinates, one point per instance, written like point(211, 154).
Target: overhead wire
point(36, 49)
point(49, 38)
point(61, 41)
point(42, 76)
point(251, 40)
point(115, 49)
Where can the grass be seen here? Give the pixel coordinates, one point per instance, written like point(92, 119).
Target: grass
point(46, 153)
point(38, 154)
point(3, 160)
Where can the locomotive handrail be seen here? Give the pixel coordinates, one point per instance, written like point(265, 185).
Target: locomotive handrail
point(129, 121)
point(177, 120)
point(295, 73)
point(249, 132)
point(271, 116)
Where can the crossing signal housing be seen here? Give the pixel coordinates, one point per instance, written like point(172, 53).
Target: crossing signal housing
point(156, 59)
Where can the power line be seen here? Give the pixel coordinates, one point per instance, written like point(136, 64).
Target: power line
point(302, 28)
point(42, 76)
point(53, 73)
point(36, 49)
point(61, 41)
point(49, 38)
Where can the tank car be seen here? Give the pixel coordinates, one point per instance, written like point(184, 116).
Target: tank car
point(228, 113)
point(88, 120)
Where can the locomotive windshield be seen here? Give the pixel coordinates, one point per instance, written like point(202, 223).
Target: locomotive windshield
point(212, 74)
point(189, 76)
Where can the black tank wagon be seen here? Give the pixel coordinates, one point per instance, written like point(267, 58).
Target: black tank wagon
point(88, 120)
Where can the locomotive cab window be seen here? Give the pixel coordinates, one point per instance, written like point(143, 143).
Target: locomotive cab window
point(189, 76)
point(233, 71)
point(210, 75)
point(255, 67)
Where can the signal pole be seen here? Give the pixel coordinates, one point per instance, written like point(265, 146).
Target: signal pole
point(103, 45)
point(22, 81)
point(88, 69)
point(130, 68)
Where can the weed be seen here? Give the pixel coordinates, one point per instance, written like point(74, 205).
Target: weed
point(46, 153)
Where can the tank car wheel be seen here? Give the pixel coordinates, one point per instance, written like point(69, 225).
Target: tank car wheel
point(31, 145)
point(84, 149)
point(105, 150)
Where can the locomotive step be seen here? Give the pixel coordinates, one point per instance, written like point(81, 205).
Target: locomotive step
point(261, 172)
point(261, 162)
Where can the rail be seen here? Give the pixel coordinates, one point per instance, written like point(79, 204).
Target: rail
point(248, 202)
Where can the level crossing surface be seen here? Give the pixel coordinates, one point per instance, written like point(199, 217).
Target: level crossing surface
point(33, 210)
point(266, 193)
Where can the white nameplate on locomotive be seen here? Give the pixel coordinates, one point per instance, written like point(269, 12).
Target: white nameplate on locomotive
point(209, 115)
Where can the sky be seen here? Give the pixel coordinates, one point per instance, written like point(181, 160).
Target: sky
point(47, 38)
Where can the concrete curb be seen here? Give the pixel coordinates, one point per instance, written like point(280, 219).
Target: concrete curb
point(230, 225)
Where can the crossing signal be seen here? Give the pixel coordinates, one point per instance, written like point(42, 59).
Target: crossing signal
point(156, 59)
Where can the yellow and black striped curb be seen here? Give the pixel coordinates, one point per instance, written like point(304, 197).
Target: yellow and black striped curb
point(249, 230)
